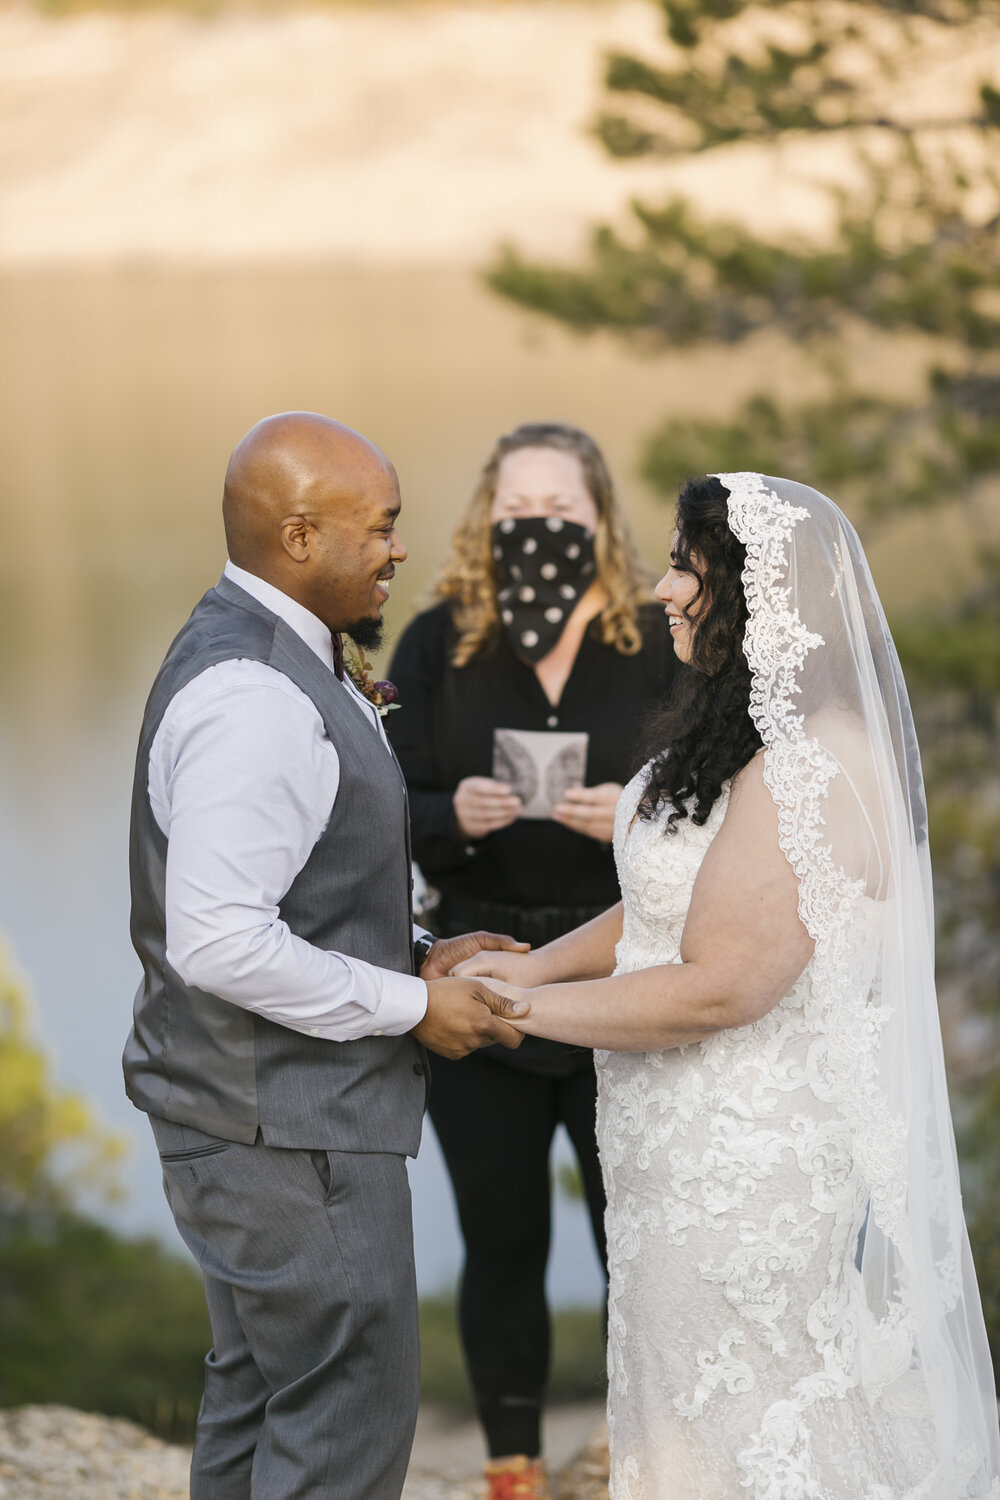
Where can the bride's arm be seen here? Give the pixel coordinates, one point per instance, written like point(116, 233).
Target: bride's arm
point(742, 950)
point(588, 952)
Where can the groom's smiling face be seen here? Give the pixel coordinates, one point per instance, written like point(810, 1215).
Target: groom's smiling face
point(355, 550)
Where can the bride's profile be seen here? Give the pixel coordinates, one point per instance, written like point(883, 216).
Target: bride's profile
point(793, 1307)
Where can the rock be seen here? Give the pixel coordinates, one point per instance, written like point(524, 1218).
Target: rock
point(585, 1477)
point(56, 1453)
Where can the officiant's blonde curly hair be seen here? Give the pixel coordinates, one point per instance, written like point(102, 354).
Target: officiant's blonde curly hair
point(469, 578)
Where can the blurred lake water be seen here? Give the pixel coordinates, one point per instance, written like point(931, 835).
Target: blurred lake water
point(121, 398)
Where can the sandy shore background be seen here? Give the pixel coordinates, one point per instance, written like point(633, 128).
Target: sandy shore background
point(405, 135)
point(412, 134)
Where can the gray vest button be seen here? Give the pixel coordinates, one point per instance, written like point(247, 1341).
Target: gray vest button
point(418, 1068)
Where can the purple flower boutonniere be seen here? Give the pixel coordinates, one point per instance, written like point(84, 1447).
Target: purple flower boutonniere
point(382, 695)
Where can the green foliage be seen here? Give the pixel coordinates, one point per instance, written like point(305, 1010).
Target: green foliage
point(953, 667)
point(578, 1358)
point(678, 279)
point(793, 74)
point(743, 100)
point(101, 1323)
point(48, 1138)
point(569, 1182)
point(688, 22)
point(801, 77)
point(442, 1369)
point(88, 1319)
point(958, 659)
point(912, 247)
point(984, 1233)
point(579, 1367)
point(877, 456)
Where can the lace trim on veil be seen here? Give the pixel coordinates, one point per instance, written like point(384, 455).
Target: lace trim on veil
point(798, 771)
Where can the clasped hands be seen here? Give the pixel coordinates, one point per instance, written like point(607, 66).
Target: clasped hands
point(464, 1014)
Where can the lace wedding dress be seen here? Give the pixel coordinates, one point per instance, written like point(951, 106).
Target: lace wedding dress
point(733, 1214)
point(793, 1312)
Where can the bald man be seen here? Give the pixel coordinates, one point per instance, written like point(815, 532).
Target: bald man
point(286, 998)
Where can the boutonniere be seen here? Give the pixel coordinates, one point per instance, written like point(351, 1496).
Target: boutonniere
point(382, 695)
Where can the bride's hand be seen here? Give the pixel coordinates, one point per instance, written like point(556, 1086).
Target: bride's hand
point(520, 969)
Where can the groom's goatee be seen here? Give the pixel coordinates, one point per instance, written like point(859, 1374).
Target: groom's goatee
point(366, 633)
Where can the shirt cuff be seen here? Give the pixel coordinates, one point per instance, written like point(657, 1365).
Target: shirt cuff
point(402, 1006)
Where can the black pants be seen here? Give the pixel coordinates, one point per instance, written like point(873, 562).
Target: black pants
point(495, 1124)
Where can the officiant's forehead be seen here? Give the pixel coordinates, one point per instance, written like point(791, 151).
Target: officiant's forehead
point(542, 480)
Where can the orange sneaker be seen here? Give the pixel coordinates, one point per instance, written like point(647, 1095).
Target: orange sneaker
point(516, 1478)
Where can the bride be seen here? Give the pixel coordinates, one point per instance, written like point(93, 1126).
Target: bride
point(793, 1308)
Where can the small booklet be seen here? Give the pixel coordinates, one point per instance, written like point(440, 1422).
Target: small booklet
point(539, 765)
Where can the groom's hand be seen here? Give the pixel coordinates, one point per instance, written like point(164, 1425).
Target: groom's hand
point(464, 1014)
point(448, 953)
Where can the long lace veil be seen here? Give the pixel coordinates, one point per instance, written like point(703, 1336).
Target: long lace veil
point(842, 764)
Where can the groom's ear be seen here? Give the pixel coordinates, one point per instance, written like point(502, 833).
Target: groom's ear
point(296, 537)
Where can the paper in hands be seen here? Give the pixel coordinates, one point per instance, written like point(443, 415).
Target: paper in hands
point(539, 766)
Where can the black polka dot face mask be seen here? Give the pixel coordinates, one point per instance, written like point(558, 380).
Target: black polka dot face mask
point(545, 565)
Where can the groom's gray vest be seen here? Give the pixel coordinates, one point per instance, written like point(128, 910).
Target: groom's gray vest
point(199, 1060)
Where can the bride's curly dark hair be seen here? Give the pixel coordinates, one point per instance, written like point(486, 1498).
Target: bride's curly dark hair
point(706, 734)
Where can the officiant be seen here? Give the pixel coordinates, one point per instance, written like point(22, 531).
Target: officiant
point(522, 691)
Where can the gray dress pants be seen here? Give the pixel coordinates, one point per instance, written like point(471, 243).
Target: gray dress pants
point(312, 1382)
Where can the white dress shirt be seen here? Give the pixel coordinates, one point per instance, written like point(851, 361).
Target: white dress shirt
point(242, 781)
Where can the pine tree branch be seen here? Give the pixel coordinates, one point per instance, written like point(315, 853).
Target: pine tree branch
point(622, 138)
point(679, 279)
point(687, 21)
